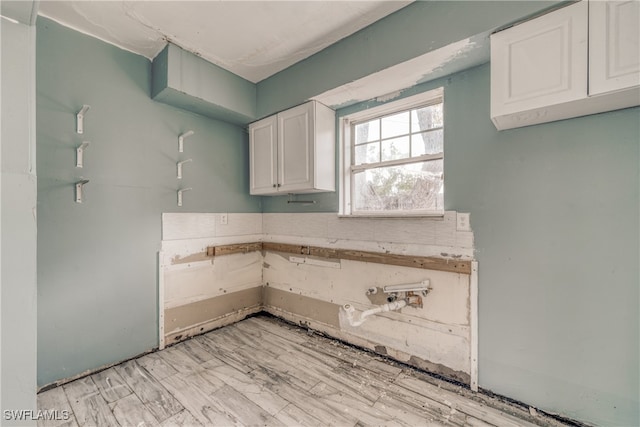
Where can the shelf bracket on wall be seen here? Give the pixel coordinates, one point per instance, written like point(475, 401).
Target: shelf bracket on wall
point(180, 194)
point(80, 118)
point(80, 189)
point(179, 165)
point(80, 153)
point(181, 140)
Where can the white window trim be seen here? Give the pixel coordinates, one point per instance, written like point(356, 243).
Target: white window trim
point(344, 135)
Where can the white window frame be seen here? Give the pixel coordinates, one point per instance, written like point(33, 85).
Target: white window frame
point(345, 143)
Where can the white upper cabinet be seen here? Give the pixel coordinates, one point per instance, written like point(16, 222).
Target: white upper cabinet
point(293, 151)
point(614, 31)
point(540, 62)
point(578, 60)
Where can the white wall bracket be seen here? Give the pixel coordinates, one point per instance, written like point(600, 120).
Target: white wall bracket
point(80, 190)
point(80, 118)
point(180, 194)
point(179, 165)
point(80, 153)
point(181, 140)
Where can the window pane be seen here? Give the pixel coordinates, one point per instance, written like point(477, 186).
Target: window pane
point(426, 143)
point(367, 132)
point(395, 148)
point(367, 153)
point(418, 186)
point(426, 118)
point(398, 124)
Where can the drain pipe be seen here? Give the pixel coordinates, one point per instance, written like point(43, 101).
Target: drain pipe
point(349, 311)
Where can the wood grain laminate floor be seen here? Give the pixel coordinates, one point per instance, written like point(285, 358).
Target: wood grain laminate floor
point(264, 372)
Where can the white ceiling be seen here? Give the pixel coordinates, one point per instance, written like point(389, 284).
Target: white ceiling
point(253, 39)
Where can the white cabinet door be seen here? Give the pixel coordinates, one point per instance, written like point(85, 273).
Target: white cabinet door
point(295, 148)
point(614, 48)
point(293, 151)
point(540, 62)
point(263, 156)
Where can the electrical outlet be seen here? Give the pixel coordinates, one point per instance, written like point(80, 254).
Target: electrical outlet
point(463, 223)
point(224, 219)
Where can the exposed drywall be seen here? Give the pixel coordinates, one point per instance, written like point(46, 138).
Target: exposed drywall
point(438, 332)
point(206, 283)
point(181, 320)
point(97, 261)
point(18, 317)
point(389, 83)
point(201, 291)
point(309, 309)
point(186, 283)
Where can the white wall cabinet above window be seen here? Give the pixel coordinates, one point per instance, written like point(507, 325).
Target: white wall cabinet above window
point(578, 60)
point(293, 151)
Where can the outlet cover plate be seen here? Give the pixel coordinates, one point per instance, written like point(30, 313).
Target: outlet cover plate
point(463, 222)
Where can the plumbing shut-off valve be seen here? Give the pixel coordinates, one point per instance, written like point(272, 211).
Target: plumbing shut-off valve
point(412, 292)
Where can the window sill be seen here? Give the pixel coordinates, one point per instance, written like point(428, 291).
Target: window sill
point(390, 215)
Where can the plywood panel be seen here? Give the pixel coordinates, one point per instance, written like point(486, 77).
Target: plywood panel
point(196, 281)
point(436, 335)
point(318, 310)
point(177, 250)
point(225, 320)
point(445, 252)
point(213, 275)
point(446, 303)
point(402, 354)
point(428, 263)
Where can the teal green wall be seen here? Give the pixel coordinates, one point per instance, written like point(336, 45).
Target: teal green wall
point(417, 29)
point(97, 267)
point(18, 315)
point(186, 81)
point(554, 210)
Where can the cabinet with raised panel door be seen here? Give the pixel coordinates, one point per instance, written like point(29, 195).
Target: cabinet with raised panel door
point(614, 50)
point(293, 151)
point(578, 60)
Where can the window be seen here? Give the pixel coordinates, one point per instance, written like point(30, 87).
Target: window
point(393, 158)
